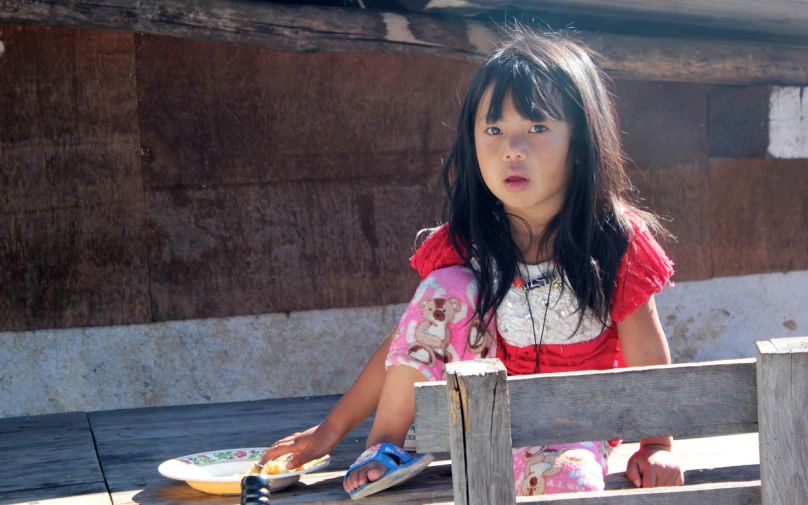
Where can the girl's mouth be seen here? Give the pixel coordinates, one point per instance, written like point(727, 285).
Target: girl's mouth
point(515, 183)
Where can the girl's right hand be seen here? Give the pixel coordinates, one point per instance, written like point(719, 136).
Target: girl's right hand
point(311, 444)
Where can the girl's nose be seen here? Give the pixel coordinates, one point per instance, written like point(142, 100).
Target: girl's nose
point(515, 149)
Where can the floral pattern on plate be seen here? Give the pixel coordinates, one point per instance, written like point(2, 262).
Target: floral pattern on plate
point(212, 458)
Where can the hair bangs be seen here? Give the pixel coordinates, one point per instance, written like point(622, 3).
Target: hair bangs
point(533, 93)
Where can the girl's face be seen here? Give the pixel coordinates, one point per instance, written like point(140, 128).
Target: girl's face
point(523, 163)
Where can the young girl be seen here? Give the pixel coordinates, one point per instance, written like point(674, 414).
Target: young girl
point(544, 263)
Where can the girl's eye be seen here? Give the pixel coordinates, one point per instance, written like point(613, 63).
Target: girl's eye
point(538, 128)
point(493, 130)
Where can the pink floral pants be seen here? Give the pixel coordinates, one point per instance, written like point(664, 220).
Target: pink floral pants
point(439, 327)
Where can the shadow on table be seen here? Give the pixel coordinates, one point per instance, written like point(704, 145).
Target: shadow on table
point(435, 484)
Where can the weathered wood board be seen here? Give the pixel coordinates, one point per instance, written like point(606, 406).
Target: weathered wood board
point(132, 443)
point(714, 459)
point(81, 494)
point(434, 484)
point(72, 228)
point(292, 184)
point(739, 121)
point(480, 431)
point(307, 28)
point(664, 129)
point(687, 409)
point(782, 376)
point(50, 457)
point(289, 247)
point(785, 17)
point(253, 116)
point(759, 216)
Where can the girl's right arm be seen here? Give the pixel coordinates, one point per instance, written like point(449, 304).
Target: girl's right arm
point(356, 405)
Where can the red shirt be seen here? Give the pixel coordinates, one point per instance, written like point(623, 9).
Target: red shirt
point(643, 271)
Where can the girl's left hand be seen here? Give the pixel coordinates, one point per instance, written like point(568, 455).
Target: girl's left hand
point(654, 466)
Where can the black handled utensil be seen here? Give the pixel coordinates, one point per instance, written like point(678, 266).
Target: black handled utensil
point(255, 490)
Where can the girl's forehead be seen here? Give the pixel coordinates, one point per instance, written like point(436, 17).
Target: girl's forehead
point(489, 110)
point(486, 106)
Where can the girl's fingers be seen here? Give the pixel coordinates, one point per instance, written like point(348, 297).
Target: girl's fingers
point(633, 472)
point(301, 458)
point(278, 449)
point(649, 479)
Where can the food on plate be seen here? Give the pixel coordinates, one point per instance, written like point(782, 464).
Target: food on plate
point(276, 466)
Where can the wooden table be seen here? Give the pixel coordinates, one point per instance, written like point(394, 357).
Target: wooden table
point(111, 457)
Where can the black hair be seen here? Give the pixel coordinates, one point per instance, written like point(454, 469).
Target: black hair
point(547, 76)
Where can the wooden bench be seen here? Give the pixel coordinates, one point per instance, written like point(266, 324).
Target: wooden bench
point(111, 457)
point(481, 414)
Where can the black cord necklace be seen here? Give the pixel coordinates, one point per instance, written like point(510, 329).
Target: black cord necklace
point(545, 280)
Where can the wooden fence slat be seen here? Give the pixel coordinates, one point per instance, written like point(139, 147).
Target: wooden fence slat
point(690, 400)
point(482, 468)
point(782, 373)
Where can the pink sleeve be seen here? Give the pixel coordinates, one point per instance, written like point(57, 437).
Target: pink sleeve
point(644, 270)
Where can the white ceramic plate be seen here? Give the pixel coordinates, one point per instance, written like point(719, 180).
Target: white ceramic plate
point(220, 472)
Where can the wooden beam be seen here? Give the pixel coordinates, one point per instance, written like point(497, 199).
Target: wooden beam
point(782, 376)
point(781, 17)
point(636, 403)
point(302, 28)
point(482, 467)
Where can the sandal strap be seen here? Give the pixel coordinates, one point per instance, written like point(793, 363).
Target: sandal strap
point(381, 453)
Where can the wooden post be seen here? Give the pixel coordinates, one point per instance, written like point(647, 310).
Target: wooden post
point(482, 464)
point(782, 383)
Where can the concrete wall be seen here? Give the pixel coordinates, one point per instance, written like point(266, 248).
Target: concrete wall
point(321, 352)
point(185, 362)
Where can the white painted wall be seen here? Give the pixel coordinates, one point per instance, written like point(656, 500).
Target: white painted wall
point(321, 352)
point(186, 362)
point(788, 122)
point(722, 318)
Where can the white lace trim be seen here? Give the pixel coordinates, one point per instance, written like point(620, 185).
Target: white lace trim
point(514, 320)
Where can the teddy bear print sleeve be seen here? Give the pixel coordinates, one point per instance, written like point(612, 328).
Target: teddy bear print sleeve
point(439, 326)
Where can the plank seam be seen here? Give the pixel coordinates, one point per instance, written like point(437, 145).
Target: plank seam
point(98, 457)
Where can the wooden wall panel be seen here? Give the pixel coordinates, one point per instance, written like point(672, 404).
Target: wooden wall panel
point(739, 121)
point(759, 215)
point(219, 114)
point(71, 197)
point(665, 135)
point(300, 245)
point(269, 182)
point(279, 182)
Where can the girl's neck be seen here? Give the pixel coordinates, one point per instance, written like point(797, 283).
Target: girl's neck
point(527, 240)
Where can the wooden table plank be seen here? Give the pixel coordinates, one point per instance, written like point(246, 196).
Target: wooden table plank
point(62, 446)
point(132, 443)
point(433, 485)
point(80, 494)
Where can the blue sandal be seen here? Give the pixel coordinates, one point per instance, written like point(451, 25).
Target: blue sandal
point(400, 467)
